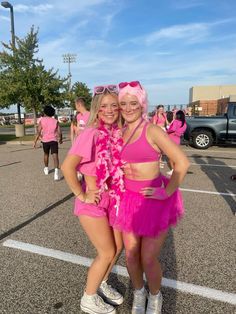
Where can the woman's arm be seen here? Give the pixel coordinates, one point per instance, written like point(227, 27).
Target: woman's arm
point(70, 174)
point(173, 152)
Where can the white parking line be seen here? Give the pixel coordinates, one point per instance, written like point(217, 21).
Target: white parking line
point(208, 192)
point(210, 151)
point(212, 165)
point(120, 270)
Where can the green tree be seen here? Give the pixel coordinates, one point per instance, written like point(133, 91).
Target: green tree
point(24, 79)
point(80, 89)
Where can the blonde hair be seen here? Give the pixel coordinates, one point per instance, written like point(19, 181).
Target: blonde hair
point(95, 106)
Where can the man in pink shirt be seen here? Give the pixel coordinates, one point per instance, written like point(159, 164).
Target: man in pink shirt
point(83, 114)
point(50, 133)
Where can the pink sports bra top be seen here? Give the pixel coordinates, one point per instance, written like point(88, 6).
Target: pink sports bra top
point(140, 150)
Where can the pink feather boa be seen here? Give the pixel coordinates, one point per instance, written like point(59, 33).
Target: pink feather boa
point(109, 164)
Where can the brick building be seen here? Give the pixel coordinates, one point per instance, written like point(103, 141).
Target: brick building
point(210, 100)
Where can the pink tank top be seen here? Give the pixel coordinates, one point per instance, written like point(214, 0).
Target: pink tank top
point(49, 129)
point(140, 150)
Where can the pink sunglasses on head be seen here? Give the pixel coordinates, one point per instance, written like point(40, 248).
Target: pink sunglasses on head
point(132, 84)
point(101, 89)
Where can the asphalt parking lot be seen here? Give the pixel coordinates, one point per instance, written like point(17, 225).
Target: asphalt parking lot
point(44, 252)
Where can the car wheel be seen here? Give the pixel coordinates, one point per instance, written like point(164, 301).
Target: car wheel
point(202, 139)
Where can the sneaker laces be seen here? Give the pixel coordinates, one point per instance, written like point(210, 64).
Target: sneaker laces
point(108, 290)
point(100, 303)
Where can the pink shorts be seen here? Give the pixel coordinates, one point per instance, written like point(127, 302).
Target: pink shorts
point(103, 209)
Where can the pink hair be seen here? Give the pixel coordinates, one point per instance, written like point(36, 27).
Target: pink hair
point(137, 91)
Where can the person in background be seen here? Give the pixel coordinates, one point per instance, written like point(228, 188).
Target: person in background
point(160, 117)
point(82, 115)
point(96, 154)
point(73, 128)
point(175, 131)
point(169, 118)
point(50, 134)
point(151, 203)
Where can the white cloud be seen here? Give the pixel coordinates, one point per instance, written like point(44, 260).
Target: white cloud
point(193, 32)
point(41, 8)
point(4, 18)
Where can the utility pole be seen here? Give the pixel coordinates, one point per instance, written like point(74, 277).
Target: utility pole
point(8, 5)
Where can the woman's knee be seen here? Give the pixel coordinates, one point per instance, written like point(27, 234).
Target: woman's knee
point(107, 255)
point(149, 261)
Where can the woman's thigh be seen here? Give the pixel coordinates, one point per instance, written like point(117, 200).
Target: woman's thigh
point(99, 233)
point(151, 247)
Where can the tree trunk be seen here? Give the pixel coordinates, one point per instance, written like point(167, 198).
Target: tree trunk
point(35, 120)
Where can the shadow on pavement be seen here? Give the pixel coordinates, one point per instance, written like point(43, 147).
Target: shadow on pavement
point(12, 163)
point(221, 177)
point(41, 213)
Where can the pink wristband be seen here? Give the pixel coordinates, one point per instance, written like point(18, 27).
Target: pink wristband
point(160, 194)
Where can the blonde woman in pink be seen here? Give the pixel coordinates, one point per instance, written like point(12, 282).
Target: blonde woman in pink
point(96, 154)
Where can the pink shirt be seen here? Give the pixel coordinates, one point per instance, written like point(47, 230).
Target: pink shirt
point(49, 129)
point(159, 120)
point(176, 130)
point(82, 120)
point(85, 146)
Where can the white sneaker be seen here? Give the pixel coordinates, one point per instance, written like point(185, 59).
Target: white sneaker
point(169, 173)
point(139, 302)
point(109, 294)
point(154, 303)
point(93, 304)
point(46, 171)
point(56, 174)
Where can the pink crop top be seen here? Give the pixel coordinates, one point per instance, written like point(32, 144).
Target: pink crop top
point(85, 146)
point(140, 150)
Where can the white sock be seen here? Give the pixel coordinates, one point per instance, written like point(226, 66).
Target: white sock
point(155, 295)
point(89, 295)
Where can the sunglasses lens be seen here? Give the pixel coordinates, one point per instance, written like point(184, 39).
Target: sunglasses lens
point(99, 89)
point(134, 83)
point(112, 88)
point(123, 84)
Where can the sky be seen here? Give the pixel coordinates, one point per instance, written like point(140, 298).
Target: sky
point(167, 45)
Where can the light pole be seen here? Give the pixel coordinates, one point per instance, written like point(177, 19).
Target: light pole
point(8, 5)
point(69, 58)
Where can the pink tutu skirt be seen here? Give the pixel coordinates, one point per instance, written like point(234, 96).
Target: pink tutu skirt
point(144, 216)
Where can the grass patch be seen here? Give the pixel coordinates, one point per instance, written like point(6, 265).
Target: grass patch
point(12, 138)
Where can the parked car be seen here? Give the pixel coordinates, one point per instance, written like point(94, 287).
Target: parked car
point(205, 131)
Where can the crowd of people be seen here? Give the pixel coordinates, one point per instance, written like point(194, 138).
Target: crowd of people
point(122, 199)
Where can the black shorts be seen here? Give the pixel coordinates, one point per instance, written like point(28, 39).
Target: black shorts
point(53, 146)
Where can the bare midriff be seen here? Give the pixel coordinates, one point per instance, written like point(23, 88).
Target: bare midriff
point(142, 170)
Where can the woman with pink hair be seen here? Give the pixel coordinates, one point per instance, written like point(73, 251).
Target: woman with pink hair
point(151, 203)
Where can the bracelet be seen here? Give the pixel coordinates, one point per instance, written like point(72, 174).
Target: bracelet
point(76, 195)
